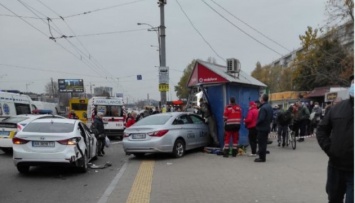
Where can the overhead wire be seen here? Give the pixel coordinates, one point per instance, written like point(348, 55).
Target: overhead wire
point(14, 16)
point(198, 32)
point(24, 20)
point(241, 30)
point(41, 32)
point(100, 9)
point(87, 51)
point(79, 51)
point(102, 33)
point(262, 34)
point(79, 14)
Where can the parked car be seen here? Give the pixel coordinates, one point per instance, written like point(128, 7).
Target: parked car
point(52, 142)
point(172, 132)
point(10, 125)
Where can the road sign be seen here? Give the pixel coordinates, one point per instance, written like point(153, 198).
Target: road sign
point(163, 75)
point(163, 87)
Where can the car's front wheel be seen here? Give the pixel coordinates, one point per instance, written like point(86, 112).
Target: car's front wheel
point(23, 169)
point(179, 148)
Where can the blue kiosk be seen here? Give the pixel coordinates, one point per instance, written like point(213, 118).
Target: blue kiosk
point(218, 84)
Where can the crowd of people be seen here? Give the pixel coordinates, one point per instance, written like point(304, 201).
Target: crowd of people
point(334, 131)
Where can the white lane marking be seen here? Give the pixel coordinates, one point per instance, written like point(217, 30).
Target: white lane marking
point(113, 184)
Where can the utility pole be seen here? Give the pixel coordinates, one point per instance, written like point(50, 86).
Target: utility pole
point(52, 87)
point(161, 4)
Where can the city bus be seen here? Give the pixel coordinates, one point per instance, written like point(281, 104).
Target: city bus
point(79, 106)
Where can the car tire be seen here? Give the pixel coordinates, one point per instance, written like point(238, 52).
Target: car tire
point(84, 164)
point(139, 155)
point(179, 148)
point(23, 169)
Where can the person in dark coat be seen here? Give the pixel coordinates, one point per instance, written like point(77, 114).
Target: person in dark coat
point(263, 126)
point(283, 120)
point(99, 131)
point(335, 135)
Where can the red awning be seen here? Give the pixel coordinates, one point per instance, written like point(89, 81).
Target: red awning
point(177, 102)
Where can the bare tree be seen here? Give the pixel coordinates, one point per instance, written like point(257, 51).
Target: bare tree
point(340, 10)
point(51, 88)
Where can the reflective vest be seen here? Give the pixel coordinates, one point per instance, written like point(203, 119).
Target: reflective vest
point(232, 114)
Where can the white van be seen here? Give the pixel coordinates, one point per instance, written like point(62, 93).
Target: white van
point(14, 104)
point(114, 118)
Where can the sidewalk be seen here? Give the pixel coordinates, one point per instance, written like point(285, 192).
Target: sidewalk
point(287, 176)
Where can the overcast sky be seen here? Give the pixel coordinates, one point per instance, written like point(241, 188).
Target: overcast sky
point(120, 49)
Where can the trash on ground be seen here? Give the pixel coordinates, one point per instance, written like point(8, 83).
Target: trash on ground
point(101, 166)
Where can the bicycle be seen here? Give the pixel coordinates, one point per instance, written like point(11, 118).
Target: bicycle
point(291, 138)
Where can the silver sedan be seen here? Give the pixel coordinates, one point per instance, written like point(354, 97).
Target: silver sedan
point(173, 132)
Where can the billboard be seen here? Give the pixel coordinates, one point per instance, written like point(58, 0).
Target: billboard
point(71, 85)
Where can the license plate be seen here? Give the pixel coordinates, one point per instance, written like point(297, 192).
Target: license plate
point(138, 136)
point(42, 144)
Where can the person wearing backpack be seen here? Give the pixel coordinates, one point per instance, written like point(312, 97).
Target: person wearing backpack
point(302, 119)
point(283, 119)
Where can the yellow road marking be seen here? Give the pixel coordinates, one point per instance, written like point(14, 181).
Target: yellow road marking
point(142, 185)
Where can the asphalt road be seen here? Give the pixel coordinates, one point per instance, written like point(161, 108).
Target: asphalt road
point(59, 184)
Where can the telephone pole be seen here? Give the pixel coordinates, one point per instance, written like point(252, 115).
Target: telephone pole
point(161, 4)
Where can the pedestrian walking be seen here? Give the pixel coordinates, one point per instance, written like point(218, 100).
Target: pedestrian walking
point(302, 116)
point(250, 123)
point(98, 129)
point(283, 120)
point(232, 116)
point(263, 126)
point(275, 111)
point(315, 117)
point(335, 135)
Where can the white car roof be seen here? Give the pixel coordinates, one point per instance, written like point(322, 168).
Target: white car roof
point(48, 120)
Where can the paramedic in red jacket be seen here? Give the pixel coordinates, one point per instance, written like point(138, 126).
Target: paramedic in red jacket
point(250, 123)
point(232, 116)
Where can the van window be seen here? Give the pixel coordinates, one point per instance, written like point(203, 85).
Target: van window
point(22, 109)
point(111, 110)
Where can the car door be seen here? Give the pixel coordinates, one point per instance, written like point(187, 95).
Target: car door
point(87, 139)
point(189, 131)
point(201, 130)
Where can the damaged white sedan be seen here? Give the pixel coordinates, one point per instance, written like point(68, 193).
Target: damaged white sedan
point(54, 141)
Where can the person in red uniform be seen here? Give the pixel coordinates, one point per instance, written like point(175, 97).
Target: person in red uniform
point(250, 123)
point(232, 116)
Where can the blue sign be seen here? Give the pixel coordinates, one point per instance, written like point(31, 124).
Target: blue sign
point(139, 77)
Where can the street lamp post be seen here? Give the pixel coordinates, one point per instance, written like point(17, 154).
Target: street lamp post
point(162, 54)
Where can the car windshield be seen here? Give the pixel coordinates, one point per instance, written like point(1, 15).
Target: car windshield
point(15, 119)
point(160, 119)
point(49, 127)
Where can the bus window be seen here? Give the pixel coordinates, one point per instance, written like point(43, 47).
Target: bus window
point(79, 107)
